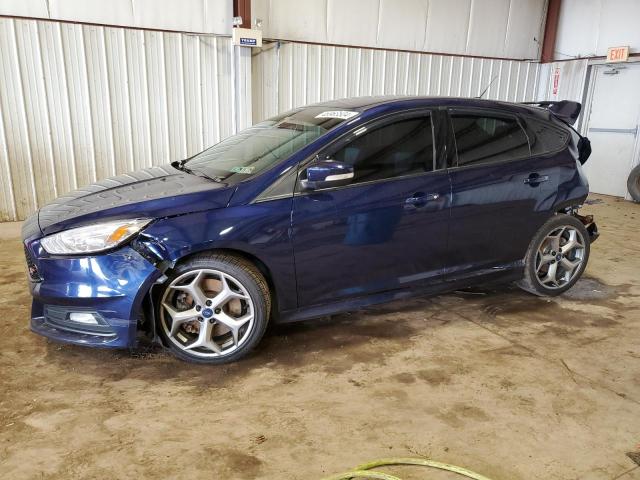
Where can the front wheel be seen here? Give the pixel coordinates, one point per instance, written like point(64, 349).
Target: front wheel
point(557, 256)
point(214, 309)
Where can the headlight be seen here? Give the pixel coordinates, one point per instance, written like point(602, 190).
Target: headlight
point(93, 238)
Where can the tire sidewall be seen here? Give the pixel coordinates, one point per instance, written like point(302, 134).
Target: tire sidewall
point(261, 315)
point(633, 184)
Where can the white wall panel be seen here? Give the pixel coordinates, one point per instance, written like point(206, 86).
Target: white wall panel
point(79, 103)
point(488, 41)
point(202, 16)
point(7, 197)
point(37, 128)
point(58, 106)
point(342, 13)
point(587, 28)
point(294, 74)
point(99, 111)
point(618, 25)
point(299, 19)
point(77, 92)
point(243, 94)
point(525, 26)
point(495, 28)
point(447, 26)
point(16, 129)
point(572, 76)
point(401, 16)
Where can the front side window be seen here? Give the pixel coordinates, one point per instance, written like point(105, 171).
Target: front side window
point(401, 148)
point(484, 139)
point(265, 144)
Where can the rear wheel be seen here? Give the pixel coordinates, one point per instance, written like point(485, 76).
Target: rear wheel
point(557, 256)
point(633, 183)
point(214, 309)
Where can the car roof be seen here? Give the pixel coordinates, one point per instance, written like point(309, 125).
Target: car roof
point(365, 103)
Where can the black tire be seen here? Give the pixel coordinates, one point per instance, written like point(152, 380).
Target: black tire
point(253, 282)
point(531, 283)
point(633, 184)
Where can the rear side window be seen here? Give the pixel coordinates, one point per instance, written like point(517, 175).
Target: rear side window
point(545, 137)
point(401, 148)
point(484, 139)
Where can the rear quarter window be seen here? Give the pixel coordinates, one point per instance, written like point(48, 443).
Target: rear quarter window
point(544, 137)
point(484, 139)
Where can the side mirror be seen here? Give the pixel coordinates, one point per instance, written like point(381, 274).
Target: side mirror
point(327, 173)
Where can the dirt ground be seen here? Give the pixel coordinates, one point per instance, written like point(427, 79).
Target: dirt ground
point(496, 380)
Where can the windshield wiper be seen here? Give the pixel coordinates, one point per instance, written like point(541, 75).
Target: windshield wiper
point(180, 165)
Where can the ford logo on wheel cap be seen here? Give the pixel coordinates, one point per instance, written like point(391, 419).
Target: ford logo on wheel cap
point(207, 312)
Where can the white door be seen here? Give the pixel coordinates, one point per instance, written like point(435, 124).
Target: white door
point(612, 127)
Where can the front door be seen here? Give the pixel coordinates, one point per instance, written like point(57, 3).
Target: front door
point(387, 229)
point(613, 128)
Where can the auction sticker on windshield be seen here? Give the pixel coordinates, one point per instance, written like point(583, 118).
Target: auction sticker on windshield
point(343, 114)
point(247, 170)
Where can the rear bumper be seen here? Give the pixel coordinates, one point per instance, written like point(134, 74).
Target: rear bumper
point(593, 232)
point(108, 289)
point(590, 225)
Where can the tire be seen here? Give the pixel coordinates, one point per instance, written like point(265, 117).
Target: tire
point(214, 309)
point(633, 184)
point(540, 276)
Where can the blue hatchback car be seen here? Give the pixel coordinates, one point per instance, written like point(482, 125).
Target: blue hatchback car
point(322, 209)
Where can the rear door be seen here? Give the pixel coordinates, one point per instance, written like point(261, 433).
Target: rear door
point(386, 230)
point(501, 195)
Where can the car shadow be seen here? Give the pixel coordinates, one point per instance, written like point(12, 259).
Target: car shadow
point(333, 344)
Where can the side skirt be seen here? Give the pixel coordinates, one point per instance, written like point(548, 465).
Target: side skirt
point(477, 278)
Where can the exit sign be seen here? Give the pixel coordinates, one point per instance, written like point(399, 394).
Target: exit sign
point(617, 54)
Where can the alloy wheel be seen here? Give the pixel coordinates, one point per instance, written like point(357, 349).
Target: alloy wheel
point(559, 257)
point(207, 313)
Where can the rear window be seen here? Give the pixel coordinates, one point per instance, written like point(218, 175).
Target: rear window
point(483, 139)
point(545, 137)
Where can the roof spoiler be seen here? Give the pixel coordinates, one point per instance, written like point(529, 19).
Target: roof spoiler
point(565, 110)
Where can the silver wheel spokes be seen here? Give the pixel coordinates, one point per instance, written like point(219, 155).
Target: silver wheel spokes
point(207, 312)
point(559, 257)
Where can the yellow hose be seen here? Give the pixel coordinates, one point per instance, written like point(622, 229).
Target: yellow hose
point(364, 470)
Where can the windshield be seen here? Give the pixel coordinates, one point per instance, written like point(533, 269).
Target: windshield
point(265, 144)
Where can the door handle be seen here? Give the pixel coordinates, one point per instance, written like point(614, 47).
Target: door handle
point(535, 178)
point(420, 199)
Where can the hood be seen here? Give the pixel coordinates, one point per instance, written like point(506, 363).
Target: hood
point(150, 193)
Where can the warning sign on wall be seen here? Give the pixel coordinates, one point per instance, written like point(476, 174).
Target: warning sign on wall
point(556, 80)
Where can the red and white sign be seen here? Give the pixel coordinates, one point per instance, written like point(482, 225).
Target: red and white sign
point(556, 80)
point(617, 54)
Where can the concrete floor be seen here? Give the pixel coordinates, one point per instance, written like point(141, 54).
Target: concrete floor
point(502, 382)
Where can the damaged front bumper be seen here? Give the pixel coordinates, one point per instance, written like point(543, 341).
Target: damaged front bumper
point(93, 300)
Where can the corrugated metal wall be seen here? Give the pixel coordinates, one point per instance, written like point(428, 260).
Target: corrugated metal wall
point(79, 103)
point(195, 16)
point(572, 76)
point(287, 75)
